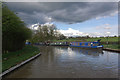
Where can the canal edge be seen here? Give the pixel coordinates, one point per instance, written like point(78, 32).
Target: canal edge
point(18, 65)
point(112, 50)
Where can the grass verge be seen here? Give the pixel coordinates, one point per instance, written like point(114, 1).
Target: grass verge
point(112, 46)
point(13, 58)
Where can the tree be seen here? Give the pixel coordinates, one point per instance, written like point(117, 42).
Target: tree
point(61, 37)
point(46, 33)
point(14, 31)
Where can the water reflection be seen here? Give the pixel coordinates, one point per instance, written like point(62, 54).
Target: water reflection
point(90, 52)
point(70, 62)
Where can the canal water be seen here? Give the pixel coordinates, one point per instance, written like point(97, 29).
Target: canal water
point(69, 62)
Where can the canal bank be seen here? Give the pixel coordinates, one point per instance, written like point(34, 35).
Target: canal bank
point(112, 50)
point(18, 65)
point(12, 60)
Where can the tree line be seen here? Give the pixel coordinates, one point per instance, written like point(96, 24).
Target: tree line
point(14, 31)
point(46, 33)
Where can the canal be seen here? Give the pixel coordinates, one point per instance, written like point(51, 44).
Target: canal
point(69, 62)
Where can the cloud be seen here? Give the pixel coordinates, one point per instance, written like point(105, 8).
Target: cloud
point(74, 33)
point(107, 32)
point(107, 29)
point(36, 26)
point(75, 12)
point(104, 26)
point(71, 32)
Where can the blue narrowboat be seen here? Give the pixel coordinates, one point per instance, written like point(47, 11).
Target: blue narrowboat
point(95, 44)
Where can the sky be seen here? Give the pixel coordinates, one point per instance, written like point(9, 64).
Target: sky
point(71, 18)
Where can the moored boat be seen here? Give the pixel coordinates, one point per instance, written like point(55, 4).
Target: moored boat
point(59, 44)
point(95, 44)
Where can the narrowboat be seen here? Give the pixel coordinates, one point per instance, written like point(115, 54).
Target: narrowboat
point(95, 44)
point(59, 44)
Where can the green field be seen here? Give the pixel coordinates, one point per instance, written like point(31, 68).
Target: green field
point(67, 40)
point(103, 39)
point(13, 58)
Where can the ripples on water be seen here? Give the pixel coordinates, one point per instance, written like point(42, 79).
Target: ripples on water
point(70, 62)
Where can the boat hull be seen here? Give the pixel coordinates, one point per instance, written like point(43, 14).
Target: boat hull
point(86, 45)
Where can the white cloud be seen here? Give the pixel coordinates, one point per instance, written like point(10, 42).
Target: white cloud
point(97, 18)
point(47, 24)
point(104, 26)
point(107, 27)
point(114, 13)
point(36, 26)
point(71, 32)
point(107, 32)
point(74, 33)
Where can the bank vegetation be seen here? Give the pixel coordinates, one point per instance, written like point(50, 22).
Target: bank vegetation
point(14, 31)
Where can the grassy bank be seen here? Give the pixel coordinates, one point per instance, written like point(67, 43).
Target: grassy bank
point(111, 46)
point(12, 58)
